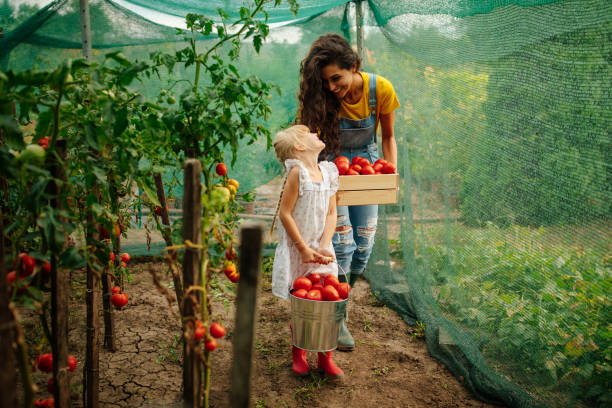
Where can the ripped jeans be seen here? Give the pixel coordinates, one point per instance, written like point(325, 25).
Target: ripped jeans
point(354, 237)
point(356, 226)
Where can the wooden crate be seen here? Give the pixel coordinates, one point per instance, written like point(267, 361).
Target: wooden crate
point(366, 190)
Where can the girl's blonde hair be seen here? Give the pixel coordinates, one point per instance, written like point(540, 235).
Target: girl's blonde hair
point(285, 141)
point(284, 146)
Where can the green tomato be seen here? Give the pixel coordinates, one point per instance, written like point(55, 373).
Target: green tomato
point(163, 92)
point(33, 154)
point(220, 196)
point(171, 100)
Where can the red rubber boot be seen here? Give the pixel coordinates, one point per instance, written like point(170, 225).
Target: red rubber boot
point(329, 367)
point(300, 365)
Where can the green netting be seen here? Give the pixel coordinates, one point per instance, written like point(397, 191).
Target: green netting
point(501, 243)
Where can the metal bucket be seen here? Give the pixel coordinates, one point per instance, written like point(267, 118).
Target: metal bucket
point(316, 324)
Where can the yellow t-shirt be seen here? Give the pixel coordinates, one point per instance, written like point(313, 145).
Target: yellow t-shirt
point(386, 100)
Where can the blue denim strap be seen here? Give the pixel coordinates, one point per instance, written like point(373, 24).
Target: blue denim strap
point(372, 91)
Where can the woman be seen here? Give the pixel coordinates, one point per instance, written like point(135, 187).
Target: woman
point(346, 107)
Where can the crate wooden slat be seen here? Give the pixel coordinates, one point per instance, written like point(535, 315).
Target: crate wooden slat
point(366, 190)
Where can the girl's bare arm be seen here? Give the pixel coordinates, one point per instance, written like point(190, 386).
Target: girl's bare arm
point(288, 200)
point(330, 225)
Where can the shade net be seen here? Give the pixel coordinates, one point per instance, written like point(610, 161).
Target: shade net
point(500, 244)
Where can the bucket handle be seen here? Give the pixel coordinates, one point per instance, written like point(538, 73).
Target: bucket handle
point(339, 267)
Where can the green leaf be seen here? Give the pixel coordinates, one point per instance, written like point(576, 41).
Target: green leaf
point(12, 132)
point(119, 57)
point(71, 258)
point(121, 121)
point(146, 185)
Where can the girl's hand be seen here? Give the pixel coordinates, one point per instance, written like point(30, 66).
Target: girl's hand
point(326, 255)
point(308, 254)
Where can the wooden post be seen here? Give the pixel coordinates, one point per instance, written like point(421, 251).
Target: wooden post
point(85, 29)
point(92, 363)
point(359, 29)
point(167, 235)
point(60, 296)
point(8, 379)
point(192, 231)
point(109, 320)
point(251, 238)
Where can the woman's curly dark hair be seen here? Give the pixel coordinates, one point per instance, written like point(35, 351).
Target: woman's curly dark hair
point(318, 106)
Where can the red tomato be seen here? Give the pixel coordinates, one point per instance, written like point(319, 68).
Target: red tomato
point(44, 362)
point(314, 294)
point(378, 172)
point(314, 277)
point(216, 330)
point(72, 363)
point(341, 159)
point(381, 161)
point(343, 167)
point(330, 293)
point(112, 257)
point(388, 168)
point(230, 254)
point(234, 277)
point(221, 169)
point(27, 265)
point(367, 170)
point(125, 257)
point(343, 290)
point(11, 277)
point(44, 403)
point(43, 142)
point(356, 160)
point(210, 344)
point(300, 293)
point(123, 264)
point(119, 300)
point(352, 172)
point(364, 162)
point(117, 231)
point(158, 210)
point(356, 167)
point(229, 269)
point(200, 330)
point(116, 289)
point(50, 385)
point(302, 283)
point(317, 286)
point(331, 280)
point(378, 166)
point(46, 267)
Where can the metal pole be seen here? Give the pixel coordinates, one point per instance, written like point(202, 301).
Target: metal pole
point(85, 29)
point(359, 29)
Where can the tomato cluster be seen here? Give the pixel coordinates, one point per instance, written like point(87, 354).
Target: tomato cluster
point(44, 363)
point(360, 165)
point(216, 331)
point(315, 287)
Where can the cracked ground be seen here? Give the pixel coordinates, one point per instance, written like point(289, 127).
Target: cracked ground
point(390, 367)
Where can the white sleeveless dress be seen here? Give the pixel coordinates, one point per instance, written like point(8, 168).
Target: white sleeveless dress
point(309, 214)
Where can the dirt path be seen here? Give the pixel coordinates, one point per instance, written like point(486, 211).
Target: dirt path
point(389, 368)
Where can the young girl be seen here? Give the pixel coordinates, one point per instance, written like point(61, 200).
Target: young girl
point(307, 210)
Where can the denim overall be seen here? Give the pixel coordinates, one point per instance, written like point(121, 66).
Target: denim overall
point(353, 246)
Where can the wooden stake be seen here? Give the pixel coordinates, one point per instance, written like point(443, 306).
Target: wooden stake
point(8, 379)
point(92, 363)
point(251, 238)
point(60, 294)
point(167, 235)
point(359, 29)
point(192, 231)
